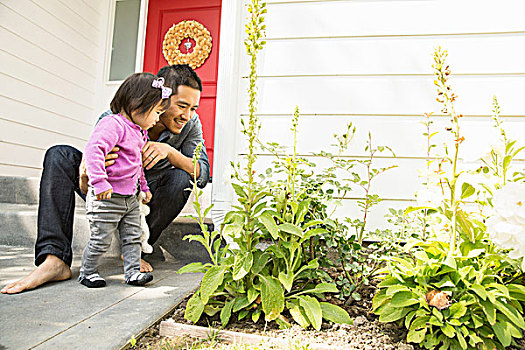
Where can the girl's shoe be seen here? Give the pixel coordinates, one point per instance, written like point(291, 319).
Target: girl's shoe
point(92, 281)
point(139, 278)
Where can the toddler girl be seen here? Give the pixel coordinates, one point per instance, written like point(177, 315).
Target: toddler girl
point(111, 201)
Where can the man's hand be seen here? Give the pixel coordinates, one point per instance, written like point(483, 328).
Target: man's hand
point(153, 152)
point(83, 179)
point(104, 195)
point(147, 197)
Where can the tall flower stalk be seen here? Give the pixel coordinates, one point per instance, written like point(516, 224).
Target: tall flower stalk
point(255, 30)
point(447, 98)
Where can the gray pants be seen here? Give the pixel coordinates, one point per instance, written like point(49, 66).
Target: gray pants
point(105, 218)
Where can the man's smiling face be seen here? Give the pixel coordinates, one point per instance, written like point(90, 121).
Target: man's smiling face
point(182, 108)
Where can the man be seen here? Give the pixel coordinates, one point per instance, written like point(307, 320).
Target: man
point(167, 158)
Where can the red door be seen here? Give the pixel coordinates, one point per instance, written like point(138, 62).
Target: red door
point(162, 15)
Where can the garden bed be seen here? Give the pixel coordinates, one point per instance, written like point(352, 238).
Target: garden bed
point(366, 332)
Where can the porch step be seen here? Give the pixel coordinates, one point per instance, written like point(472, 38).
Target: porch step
point(18, 227)
point(18, 221)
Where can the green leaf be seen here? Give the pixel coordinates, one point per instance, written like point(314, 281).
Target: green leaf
point(267, 220)
point(286, 279)
point(509, 311)
point(252, 294)
point(301, 211)
point(467, 190)
point(192, 268)
point(255, 315)
point(241, 303)
point(299, 316)
point(321, 288)
point(272, 297)
point(457, 310)
point(448, 330)
point(312, 233)
point(390, 291)
point(194, 308)
point(379, 299)
point(461, 340)
point(334, 313)
point(313, 310)
point(259, 261)
point(226, 312)
point(416, 336)
point(391, 313)
point(210, 282)
point(450, 261)
point(290, 228)
point(489, 311)
point(242, 265)
point(517, 291)
point(502, 332)
point(239, 191)
point(479, 290)
point(403, 298)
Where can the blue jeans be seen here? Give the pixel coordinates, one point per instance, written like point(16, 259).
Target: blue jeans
point(59, 183)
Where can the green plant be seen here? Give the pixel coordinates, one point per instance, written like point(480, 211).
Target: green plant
point(345, 175)
point(241, 278)
point(132, 341)
point(483, 309)
point(459, 294)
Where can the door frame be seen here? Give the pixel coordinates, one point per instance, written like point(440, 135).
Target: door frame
point(141, 39)
point(227, 107)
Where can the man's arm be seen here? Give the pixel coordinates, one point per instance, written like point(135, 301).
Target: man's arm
point(155, 151)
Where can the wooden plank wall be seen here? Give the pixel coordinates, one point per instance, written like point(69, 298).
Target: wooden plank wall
point(49, 62)
point(369, 62)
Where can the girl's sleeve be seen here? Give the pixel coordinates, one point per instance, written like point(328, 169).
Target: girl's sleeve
point(104, 138)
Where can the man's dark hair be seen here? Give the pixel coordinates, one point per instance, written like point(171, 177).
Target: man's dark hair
point(137, 94)
point(180, 74)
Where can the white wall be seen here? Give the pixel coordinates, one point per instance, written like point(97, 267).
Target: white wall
point(370, 63)
point(50, 61)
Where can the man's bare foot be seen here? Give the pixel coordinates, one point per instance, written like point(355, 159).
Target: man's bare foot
point(52, 269)
point(144, 265)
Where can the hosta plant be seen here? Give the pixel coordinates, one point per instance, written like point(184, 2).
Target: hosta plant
point(461, 301)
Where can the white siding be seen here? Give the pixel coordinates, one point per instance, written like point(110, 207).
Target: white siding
point(50, 58)
point(370, 63)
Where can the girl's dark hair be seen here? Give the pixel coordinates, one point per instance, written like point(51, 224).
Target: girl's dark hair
point(180, 74)
point(137, 94)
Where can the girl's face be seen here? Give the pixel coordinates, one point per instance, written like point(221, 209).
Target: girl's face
point(148, 119)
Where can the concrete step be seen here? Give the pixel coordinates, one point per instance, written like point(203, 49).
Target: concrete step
point(24, 190)
point(18, 223)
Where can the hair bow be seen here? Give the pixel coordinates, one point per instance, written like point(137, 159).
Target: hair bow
point(159, 83)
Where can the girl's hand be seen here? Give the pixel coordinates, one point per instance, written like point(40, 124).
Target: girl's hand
point(147, 198)
point(104, 195)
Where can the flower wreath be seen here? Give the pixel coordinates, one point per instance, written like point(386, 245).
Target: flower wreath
point(180, 31)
